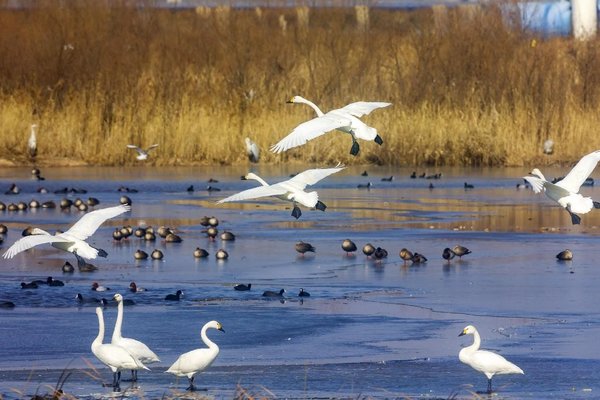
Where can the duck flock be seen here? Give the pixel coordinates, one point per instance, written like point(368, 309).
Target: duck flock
point(127, 354)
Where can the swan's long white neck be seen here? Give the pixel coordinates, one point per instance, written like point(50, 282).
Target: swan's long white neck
point(311, 104)
point(211, 345)
point(257, 178)
point(117, 331)
point(100, 337)
point(476, 343)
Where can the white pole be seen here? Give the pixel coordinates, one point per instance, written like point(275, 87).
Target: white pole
point(584, 18)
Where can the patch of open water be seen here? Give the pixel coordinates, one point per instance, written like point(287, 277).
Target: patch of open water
point(385, 330)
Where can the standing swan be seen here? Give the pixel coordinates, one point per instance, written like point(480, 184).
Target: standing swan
point(485, 361)
point(290, 190)
point(114, 357)
point(135, 347)
point(345, 119)
point(72, 240)
point(192, 362)
point(566, 191)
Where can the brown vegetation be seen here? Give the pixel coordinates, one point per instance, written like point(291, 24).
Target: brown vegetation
point(466, 88)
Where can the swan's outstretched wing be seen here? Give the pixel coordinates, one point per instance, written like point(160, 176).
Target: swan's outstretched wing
point(536, 183)
point(30, 241)
point(254, 193)
point(312, 176)
point(152, 147)
point(580, 172)
point(361, 108)
point(90, 222)
point(309, 130)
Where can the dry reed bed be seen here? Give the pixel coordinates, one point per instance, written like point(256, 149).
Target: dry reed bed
point(466, 89)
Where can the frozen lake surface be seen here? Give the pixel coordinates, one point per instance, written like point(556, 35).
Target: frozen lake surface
point(369, 329)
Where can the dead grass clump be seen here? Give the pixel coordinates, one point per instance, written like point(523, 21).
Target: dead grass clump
point(467, 87)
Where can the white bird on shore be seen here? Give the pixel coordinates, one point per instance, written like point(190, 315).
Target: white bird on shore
point(135, 347)
point(290, 190)
point(252, 150)
point(73, 240)
point(192, 362)
point(484, 361)
point(32, 142)
point(114, 357)
point(566, 191)
point(142, 154)
point(345, 119)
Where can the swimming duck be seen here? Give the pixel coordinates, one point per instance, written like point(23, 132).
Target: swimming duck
point(174, 297)
point(97, 288)
point(271, 293)
point(303, 293)
point(135, 288)
point(54, 282)
point(241, 287)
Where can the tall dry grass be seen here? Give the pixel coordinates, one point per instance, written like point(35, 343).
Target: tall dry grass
point(467, 88)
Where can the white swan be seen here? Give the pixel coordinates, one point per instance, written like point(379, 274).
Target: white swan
point(290, 190)
point(142, 154)
point(73, 240)
point(566, 191)
point(114, 357)
point(135, 347)
point(252, 150)
point(485, 361)
point(345, 119)
point(32, 142)
point(192, 362)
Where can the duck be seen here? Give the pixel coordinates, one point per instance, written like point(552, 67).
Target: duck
point(7, 304)
point(468, 186)
point(54, 282)
point(173, 238)
point(348, 246)
point(419, 258)
point(200, 253)
point(303, 293)
point(227, 236)
point(448, 254)
point(212, 232)
point(380, 253)
point(222, 254)
point(29, 285)
point(140, 255)
point(86, 300)
point(195, 361)
point(84, 266)
point(406, 255)
point(367, 185)
point(461, 250)
point(135, 288)
point(485, 361)
point(345, 119)
point(302, 247)
point(271, 293)
point(68, 268)
point(97, 288)
point(174, 297)
point(565, 255)
point(242, 287)
point(368, 249)
point(157, 254)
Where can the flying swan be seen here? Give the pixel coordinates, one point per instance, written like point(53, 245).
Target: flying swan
point(72, 240)
point(345, 119)
point(142, 154)
point(484, 361)
point(135, 347)
point(192, 362)
point(290, 190)
point(566, 191)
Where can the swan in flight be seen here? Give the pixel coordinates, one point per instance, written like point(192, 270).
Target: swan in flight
point(290, 190)
point(142, 154)
point(73, 240)
point(114, 357)
point(135, 347)
point(252, 150)
point(192, 362)
point(484, 361)
point(345, 119)
point(32, 142)
point(566, 191)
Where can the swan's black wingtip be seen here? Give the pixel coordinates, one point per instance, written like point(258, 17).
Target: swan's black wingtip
point(378, 140)
point(355, 148)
